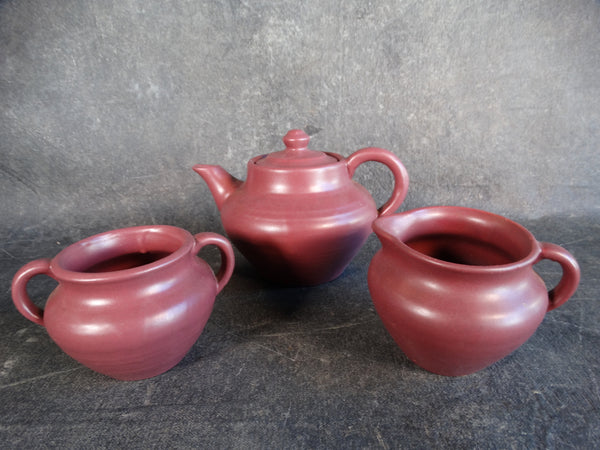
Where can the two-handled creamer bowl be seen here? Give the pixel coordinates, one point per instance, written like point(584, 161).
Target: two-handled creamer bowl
point(130, 303)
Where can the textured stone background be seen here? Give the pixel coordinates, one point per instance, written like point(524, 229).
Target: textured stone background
point(105, 106)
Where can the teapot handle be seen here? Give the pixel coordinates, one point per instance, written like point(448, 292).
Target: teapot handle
point(227, 256)
point(394, 164)
point(567, 285)
point(19, 289)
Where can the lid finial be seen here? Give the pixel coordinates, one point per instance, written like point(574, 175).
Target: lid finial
point(296, 154)
point(296, 139)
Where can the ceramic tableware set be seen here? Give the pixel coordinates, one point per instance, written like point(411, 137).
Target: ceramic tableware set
point(455, 287)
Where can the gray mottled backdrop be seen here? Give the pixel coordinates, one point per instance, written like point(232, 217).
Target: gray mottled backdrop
point(105, 106)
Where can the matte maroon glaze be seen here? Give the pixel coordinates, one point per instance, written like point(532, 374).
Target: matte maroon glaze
point(129, 303)
point(456, 289)
point(299, 217)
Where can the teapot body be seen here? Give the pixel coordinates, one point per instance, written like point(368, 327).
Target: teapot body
point(302, 227)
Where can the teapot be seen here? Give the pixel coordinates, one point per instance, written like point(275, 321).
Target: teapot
point(299, 218)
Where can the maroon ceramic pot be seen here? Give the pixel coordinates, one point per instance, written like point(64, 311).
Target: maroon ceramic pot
point(456, 289)
point(299, 218)
point(129, 303)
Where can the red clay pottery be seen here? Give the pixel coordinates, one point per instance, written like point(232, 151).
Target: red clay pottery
point(456, 289)
point(299, 217)
point(129, 303)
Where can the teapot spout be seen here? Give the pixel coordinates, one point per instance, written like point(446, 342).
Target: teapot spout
point(219, 181)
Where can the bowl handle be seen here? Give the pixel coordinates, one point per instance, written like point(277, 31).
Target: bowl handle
point(227, 256)
point(19, 289)
point(393, 163)
point(567, 285)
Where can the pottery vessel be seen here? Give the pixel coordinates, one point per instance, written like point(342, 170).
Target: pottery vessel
point(456, 289)
point(129, 303)
point(299, 218)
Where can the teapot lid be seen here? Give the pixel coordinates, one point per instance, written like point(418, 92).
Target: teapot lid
point(296, 154)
